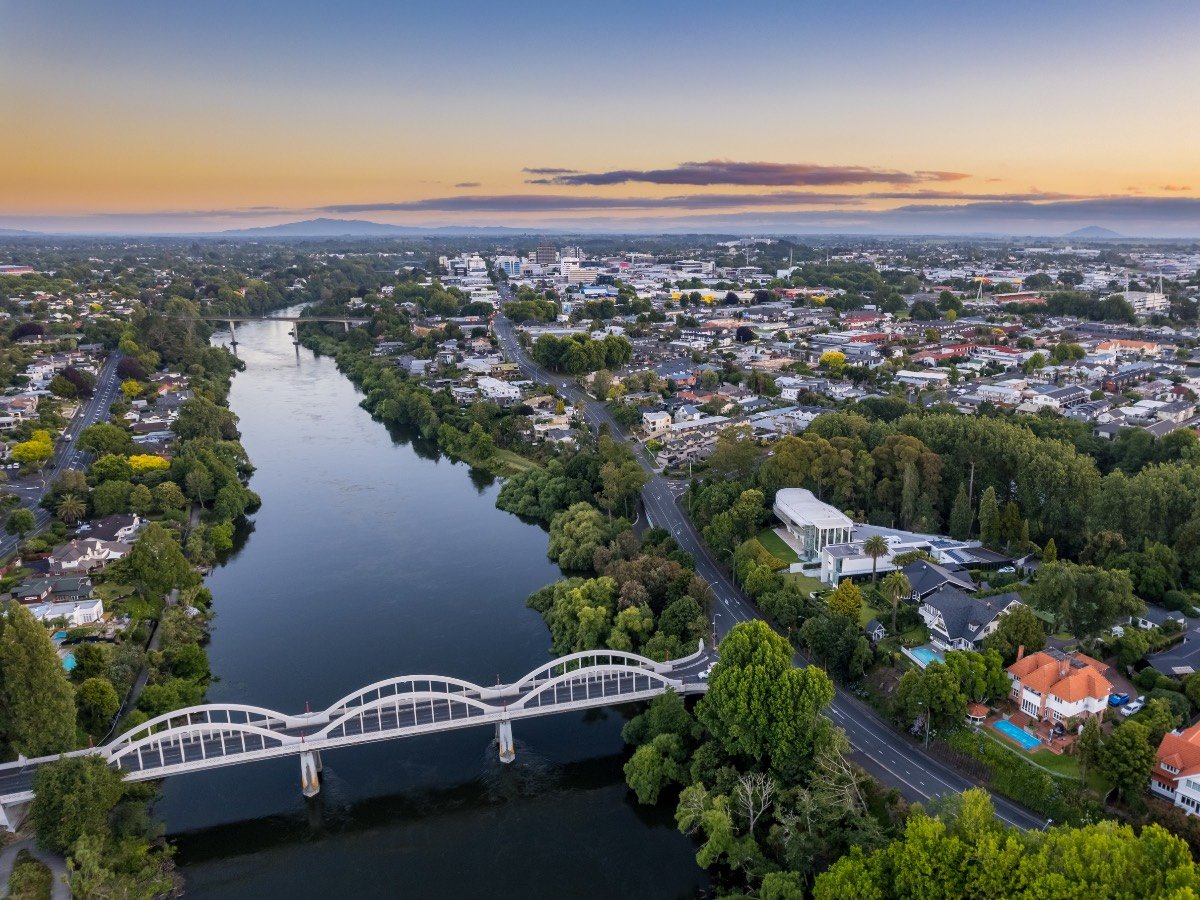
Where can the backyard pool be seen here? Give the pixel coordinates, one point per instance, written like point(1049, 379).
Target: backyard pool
point(927, 656)
point(1022, 737)
point(69, 661)
point(59, 635)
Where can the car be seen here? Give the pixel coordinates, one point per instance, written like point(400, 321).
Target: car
point(1136, 706)
point(1118, 699)
point(1007, 570)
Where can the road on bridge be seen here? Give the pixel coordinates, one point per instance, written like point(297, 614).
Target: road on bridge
point(880, 749)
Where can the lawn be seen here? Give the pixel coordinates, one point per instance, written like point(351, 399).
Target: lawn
point(509, 463)
point(777, 546)
point(1059, 764)
point(806, 583)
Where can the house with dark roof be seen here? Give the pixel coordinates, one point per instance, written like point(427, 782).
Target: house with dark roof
point(875, 630)
point(927, 577)
point(958, 621)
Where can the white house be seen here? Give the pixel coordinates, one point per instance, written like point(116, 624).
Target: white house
point(499, 392)
point(656, 422)
point(957, 621)
point(1176, 772)
point(816, 524)
point(75, 612)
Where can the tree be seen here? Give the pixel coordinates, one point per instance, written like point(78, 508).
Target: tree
point(1131, 646)
point(834, 361)
point(110, 467)
point(961, 517)
point(156, 565)
point(989, 518)
point(104, 438)
point(1088, 746)
point(932, 695)
point(896, 587)
point(1126, 760)
point(875, 546)
point(1018, 627)
point(734, 453)
point(71, 508)
point(96, 702)
point(167, 496)
point(20, 522)
point(760, 707)
point(655, 765)
point(35, 451)
point(1084, 598)
point(980, 675)
point(575, 535)
point(845, 600)
point(1050, 552)
point(141, 501)
point(73, 797)
point(37, 707)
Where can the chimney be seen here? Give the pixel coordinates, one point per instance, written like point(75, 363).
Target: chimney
point(1020, 652)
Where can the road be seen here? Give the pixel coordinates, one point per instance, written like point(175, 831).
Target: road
point(67, 455)
point(888, 755)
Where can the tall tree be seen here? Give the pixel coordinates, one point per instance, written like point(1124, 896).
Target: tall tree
point(156, 564)
point(961, 517)
point(875, 546)
point(896, 587)
point(37, 705)
point(989, 518)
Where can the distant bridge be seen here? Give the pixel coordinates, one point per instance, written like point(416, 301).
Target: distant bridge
point(232, 321)
point(223, 734)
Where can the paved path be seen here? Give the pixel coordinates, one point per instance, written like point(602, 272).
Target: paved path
point(58, 868)
point(881, 750)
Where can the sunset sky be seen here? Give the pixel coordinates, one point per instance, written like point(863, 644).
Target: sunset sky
point(196, 116)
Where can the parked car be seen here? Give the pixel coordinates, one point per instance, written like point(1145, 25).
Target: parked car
point(1135, 706)
point(1118, 699)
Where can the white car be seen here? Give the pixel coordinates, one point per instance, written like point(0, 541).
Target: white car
point(1136, 706)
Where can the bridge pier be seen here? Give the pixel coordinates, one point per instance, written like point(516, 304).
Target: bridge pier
point(310, 772)
point(11, 816)
point(346, 326)
point(504, 739)
point(233, 335)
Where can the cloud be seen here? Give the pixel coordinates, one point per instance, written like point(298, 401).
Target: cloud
point(718, 171)
point(522, 203)
point(1176, 188)
point(467, 184)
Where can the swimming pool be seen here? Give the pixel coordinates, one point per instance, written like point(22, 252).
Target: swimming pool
point(1022, 737)
point(69, 662)
point(59, 635)
point(927, 656)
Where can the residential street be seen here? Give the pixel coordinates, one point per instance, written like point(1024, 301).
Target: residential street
point(66, 454)
point(880, 749)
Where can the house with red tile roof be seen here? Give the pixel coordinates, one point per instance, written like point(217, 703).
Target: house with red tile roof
point(1176, 772)
point(1053, 686)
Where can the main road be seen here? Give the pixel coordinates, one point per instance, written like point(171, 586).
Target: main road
point(67, 455)
point(886, 754)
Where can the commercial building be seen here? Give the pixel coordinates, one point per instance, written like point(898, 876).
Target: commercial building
point(814, 523)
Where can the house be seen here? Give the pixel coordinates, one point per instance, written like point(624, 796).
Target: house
point(875, 630)
point(1152, 617)
point(73, 612)
point(656, 422)
point(86, 555)
point(499, 392)
point(957, 621)
point(121, 527)
point(815, 523)
point(688, 413)
point(1176, 772)
point(926, 577)
point(1054, 686)
point(53, 590)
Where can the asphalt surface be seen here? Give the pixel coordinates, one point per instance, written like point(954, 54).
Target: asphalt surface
point(888, 755)
point(67, 454)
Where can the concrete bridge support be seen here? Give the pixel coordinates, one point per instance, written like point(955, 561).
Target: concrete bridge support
point(504, 739)
point(12, 815)
point(310, 772)
point(346, 326)
point(233, 335)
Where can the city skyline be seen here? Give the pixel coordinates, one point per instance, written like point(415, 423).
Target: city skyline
point(935, 117)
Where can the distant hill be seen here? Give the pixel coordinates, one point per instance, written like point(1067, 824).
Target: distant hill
point(335, 228)
point(1095, 232)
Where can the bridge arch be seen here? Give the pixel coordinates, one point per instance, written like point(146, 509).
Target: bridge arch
point(395, 701)
point(184, 735)
point(587, 659)
point(573, 677)
point(379, 688)
point(208, 713)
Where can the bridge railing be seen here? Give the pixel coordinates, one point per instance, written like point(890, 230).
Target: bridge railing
point(206, 714)
point(574, 662)
point(396, 687)
point(602, 674)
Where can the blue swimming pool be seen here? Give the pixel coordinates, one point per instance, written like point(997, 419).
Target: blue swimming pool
point(927, 656)
point(69, 661)
point(59, 635)
point(1008, 729)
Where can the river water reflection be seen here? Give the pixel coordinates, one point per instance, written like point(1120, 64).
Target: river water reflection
point(372, 557)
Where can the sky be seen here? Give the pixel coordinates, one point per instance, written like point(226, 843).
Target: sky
point(133, 115)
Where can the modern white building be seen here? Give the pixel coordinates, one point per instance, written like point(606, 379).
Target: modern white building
point(814, 523)
point(499, 392)
point(656, 422)
point(73, 612)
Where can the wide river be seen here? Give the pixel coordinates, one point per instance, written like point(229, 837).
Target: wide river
point(372, 557)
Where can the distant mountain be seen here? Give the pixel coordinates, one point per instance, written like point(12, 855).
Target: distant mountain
point(1094, 232)
point(335, 228)
point(16, 232)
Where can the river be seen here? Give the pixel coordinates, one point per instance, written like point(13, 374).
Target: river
point(372, 557)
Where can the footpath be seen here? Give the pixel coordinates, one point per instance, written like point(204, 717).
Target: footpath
point(56, 864)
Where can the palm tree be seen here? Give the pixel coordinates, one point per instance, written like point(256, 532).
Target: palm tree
point(875, 546)
point(895, 586)
point(71, 509)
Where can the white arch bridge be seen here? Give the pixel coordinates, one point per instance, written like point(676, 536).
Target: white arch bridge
point(224, 734)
